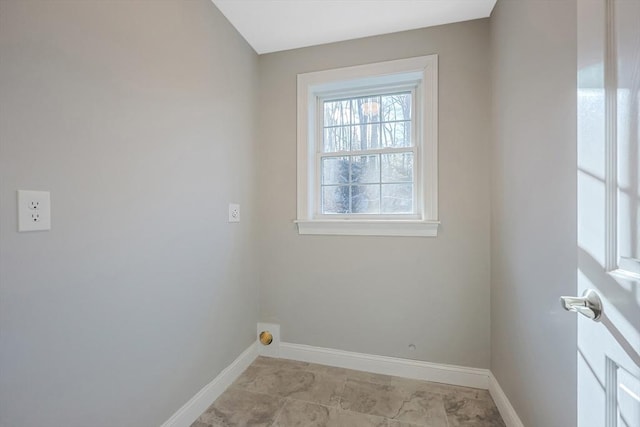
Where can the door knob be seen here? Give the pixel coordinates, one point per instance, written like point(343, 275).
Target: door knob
point(589, 304)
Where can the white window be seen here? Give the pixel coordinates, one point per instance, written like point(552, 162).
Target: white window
point(367, 149)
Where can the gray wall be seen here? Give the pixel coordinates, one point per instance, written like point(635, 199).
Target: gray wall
point(379, 294)
point(138, 117)
point(533, 224)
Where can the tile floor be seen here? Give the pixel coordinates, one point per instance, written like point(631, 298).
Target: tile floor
point(285, 393)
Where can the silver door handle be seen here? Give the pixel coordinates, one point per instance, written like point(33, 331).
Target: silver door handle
point(589, 304)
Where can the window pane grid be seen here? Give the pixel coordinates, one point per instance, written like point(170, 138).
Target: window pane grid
point(379, 183)
point(366, 160)
point(367, 122)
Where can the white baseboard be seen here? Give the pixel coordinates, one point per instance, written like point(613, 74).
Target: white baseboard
point(191, 410)
point(448, 374)
point(509, 414)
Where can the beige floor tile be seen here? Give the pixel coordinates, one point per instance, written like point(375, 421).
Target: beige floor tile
point(463, 412)
point(374, 399)
point(412, 385)
point(296, 413)
point(423, 408)
point(416, 407)
point(394, 423)
point(292, 383)
point(350, 373)
point(237, 407)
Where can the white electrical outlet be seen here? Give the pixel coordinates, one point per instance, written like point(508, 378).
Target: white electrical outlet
point(34, 210)
point(234, 212)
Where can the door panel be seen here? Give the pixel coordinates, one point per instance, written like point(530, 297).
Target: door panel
point(628, 399)
point(608, 210)
point(627, 46)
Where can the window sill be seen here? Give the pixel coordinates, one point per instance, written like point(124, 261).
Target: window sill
point(352, 227)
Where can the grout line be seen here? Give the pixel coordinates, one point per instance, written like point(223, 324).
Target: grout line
point(279, 412)
point(446, 419)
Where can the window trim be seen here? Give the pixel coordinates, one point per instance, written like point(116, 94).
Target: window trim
point(419, 71)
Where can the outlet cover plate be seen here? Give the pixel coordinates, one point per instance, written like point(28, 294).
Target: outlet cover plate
point(34, 210)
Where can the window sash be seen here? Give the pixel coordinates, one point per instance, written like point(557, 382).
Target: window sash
point(369, 92)
point(415, 148)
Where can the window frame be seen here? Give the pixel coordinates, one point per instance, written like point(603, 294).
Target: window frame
point(419, 74)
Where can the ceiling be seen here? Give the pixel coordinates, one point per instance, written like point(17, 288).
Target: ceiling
point(274, 25)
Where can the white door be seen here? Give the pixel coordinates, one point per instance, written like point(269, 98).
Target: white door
point(609, 211)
